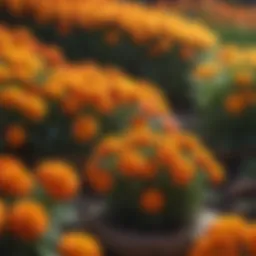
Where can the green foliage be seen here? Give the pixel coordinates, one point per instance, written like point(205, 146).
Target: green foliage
point(225, 90)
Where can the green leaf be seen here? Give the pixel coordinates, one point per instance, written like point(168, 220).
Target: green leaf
point(64, 213)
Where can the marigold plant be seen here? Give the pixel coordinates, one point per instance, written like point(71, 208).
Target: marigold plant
point(58, 108)
point(144, 40)
point(228, 235)
point(226, 98)
point(32, 220)
point(146, 173)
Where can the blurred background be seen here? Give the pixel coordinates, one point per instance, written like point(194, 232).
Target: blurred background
point(128, 127)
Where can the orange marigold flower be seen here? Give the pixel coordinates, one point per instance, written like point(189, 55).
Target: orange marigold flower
point(228, 225)
point(15, 136)
point(244, 78)
point(58, 179)
point(34, 108)
point(152, 201)
point(5, 73)
point(85, 128)
point(12, 97)
point(14, 180)
point(215, 171)
point(182, 170)
point(78, 244)
point(140, 136)
point(100, 180)
point(206, 71)
point(28, 220)
point(250, 238)
point(71, 105)
point(110, 145)
point(133, 164)
point(234, 104)
point(2, 215)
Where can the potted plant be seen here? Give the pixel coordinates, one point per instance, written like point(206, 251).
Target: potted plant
point(64, 109)
point(154, 184)
point(34, 209)
point(225, 98)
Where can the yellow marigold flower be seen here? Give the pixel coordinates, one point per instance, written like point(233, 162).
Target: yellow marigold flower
point(133, 164)
point(234, 104)
point(14, 179)
point(58, 179)
point(28, 220)
point(85, 128)
point(2, 215)
point(78, 244)
point(244, 78)
point(152, 201)
point(15, 136)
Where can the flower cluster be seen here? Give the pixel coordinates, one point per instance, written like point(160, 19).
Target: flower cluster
point(142, 23)
point(46, 103)
point(150, 170)
point(29, 207)
point(145, 41)
point(226, 89)
point(228, 235)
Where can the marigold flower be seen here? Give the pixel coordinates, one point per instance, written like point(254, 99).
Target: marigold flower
point(34, 108)
point(100, 180)
point(58, 179)
point(15, 136)
point(110, 145)
point(28, 220)
point(2, 215)
point(234, 104)
point(14, 180)
point(250, 238)
point(244, 78)
point(78, 244)
point(71, 105)
point(133, 164)
point(206, 71)
point(152, 201)
point(140, 136)
point(12, 97)
point(182, 170)
point(84, 129)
